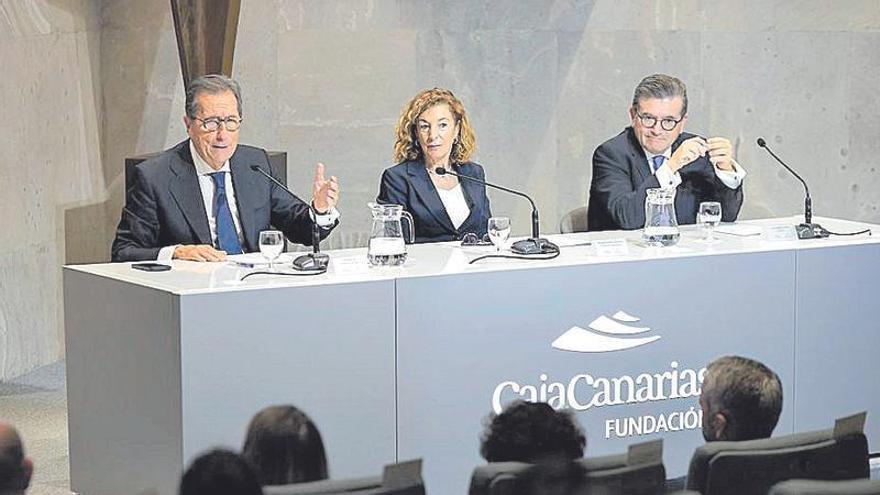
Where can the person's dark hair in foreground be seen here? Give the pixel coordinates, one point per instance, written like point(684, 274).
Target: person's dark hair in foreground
point(15, 468)
point(741, 400)
point(285, 447)
point(532, 432)
point(219, 472)
point(552, 478)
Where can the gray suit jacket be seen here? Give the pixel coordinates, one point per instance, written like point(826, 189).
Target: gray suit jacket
point(164, 205)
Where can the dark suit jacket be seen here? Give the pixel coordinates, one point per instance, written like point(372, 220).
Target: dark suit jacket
point(621, 177)
point(409, 185)
point(164, 205)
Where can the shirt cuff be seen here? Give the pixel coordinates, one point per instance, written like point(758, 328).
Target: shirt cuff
point(731, 178)
point(166, 254)
point(326, 220)
point(667, 178)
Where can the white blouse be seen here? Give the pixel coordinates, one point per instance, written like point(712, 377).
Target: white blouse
point(455, 204)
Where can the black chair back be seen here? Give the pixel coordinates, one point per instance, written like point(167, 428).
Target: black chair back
point(815, 487)
point(403, 478)
point(639, 472)
point(754, 466)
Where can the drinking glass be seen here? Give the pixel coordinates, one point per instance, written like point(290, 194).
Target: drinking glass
point(271, 245)
point(499, 231)
point(708, 217)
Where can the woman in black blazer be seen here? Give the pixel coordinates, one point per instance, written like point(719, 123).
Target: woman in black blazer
point(434, 131)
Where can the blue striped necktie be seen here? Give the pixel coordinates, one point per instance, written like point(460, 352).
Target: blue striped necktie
point(658, 161)
point(227, 238)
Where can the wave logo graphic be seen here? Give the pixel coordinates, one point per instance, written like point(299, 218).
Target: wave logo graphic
point(604, 335)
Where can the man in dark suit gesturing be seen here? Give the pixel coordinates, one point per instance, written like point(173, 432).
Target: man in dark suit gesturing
point(655, 152)
point(200, 200)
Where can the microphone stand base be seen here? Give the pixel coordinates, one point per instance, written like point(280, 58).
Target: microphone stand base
point(312, 262)
point(811, 231)
point(534, 246)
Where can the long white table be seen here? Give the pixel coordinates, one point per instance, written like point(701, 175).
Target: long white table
point(396, 363)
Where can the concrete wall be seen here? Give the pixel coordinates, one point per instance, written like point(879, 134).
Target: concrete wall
point(50, 161)
point(545, 82)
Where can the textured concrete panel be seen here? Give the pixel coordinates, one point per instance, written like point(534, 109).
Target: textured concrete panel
point(456, 15)
point(29, 320)
point(256, 69)
point(137, 15)
point(360, 84)
point(642, 15)
point(787, 15)
point(25, 18)
point(857, 194)
point(48, 160)
point(769, 85)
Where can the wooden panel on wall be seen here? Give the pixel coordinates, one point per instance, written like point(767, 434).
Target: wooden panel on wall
point(206, 31)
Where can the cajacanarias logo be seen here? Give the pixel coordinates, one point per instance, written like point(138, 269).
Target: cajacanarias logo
point(604, 335)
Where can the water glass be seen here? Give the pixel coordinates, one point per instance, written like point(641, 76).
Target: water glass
point(708, 216)
point(499, 231)
point(271, 245)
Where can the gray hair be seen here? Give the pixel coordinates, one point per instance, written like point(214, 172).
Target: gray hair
point(661, 86)
point(747, 392)
point(211, 84)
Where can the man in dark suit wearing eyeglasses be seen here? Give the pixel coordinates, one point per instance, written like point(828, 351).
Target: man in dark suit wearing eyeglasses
point(201, 199)
point(655, 152)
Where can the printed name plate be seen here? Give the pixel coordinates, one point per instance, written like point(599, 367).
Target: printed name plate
point(611, 247)
point(780, 233)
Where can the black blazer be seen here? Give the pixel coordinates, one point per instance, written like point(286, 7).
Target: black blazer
point(621, 178)
point(164, 205)
point(409, 185)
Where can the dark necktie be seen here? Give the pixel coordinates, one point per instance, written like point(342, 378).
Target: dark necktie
point(658, 161)
point(227, 238)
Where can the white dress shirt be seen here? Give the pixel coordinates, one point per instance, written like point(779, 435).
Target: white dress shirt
point(206, 185)
point(669, 179)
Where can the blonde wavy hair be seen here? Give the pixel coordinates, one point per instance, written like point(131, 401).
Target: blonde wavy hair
point(407, 145)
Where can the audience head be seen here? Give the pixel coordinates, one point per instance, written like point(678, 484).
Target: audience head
point(15, 468)
point(285, 447)
point(219, 472)
point(532, 432)
point(741, 400)
point(434, 127)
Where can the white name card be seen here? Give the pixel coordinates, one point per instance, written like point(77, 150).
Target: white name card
point(611, 247)
point(778, 233)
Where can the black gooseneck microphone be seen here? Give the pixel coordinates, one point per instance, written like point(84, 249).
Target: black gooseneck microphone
point(532, 245)
point(316, 261)
point(808, 229)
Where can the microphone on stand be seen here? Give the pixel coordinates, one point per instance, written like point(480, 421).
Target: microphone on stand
point(532, 245)
point(808, 229)
point(316, 261)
